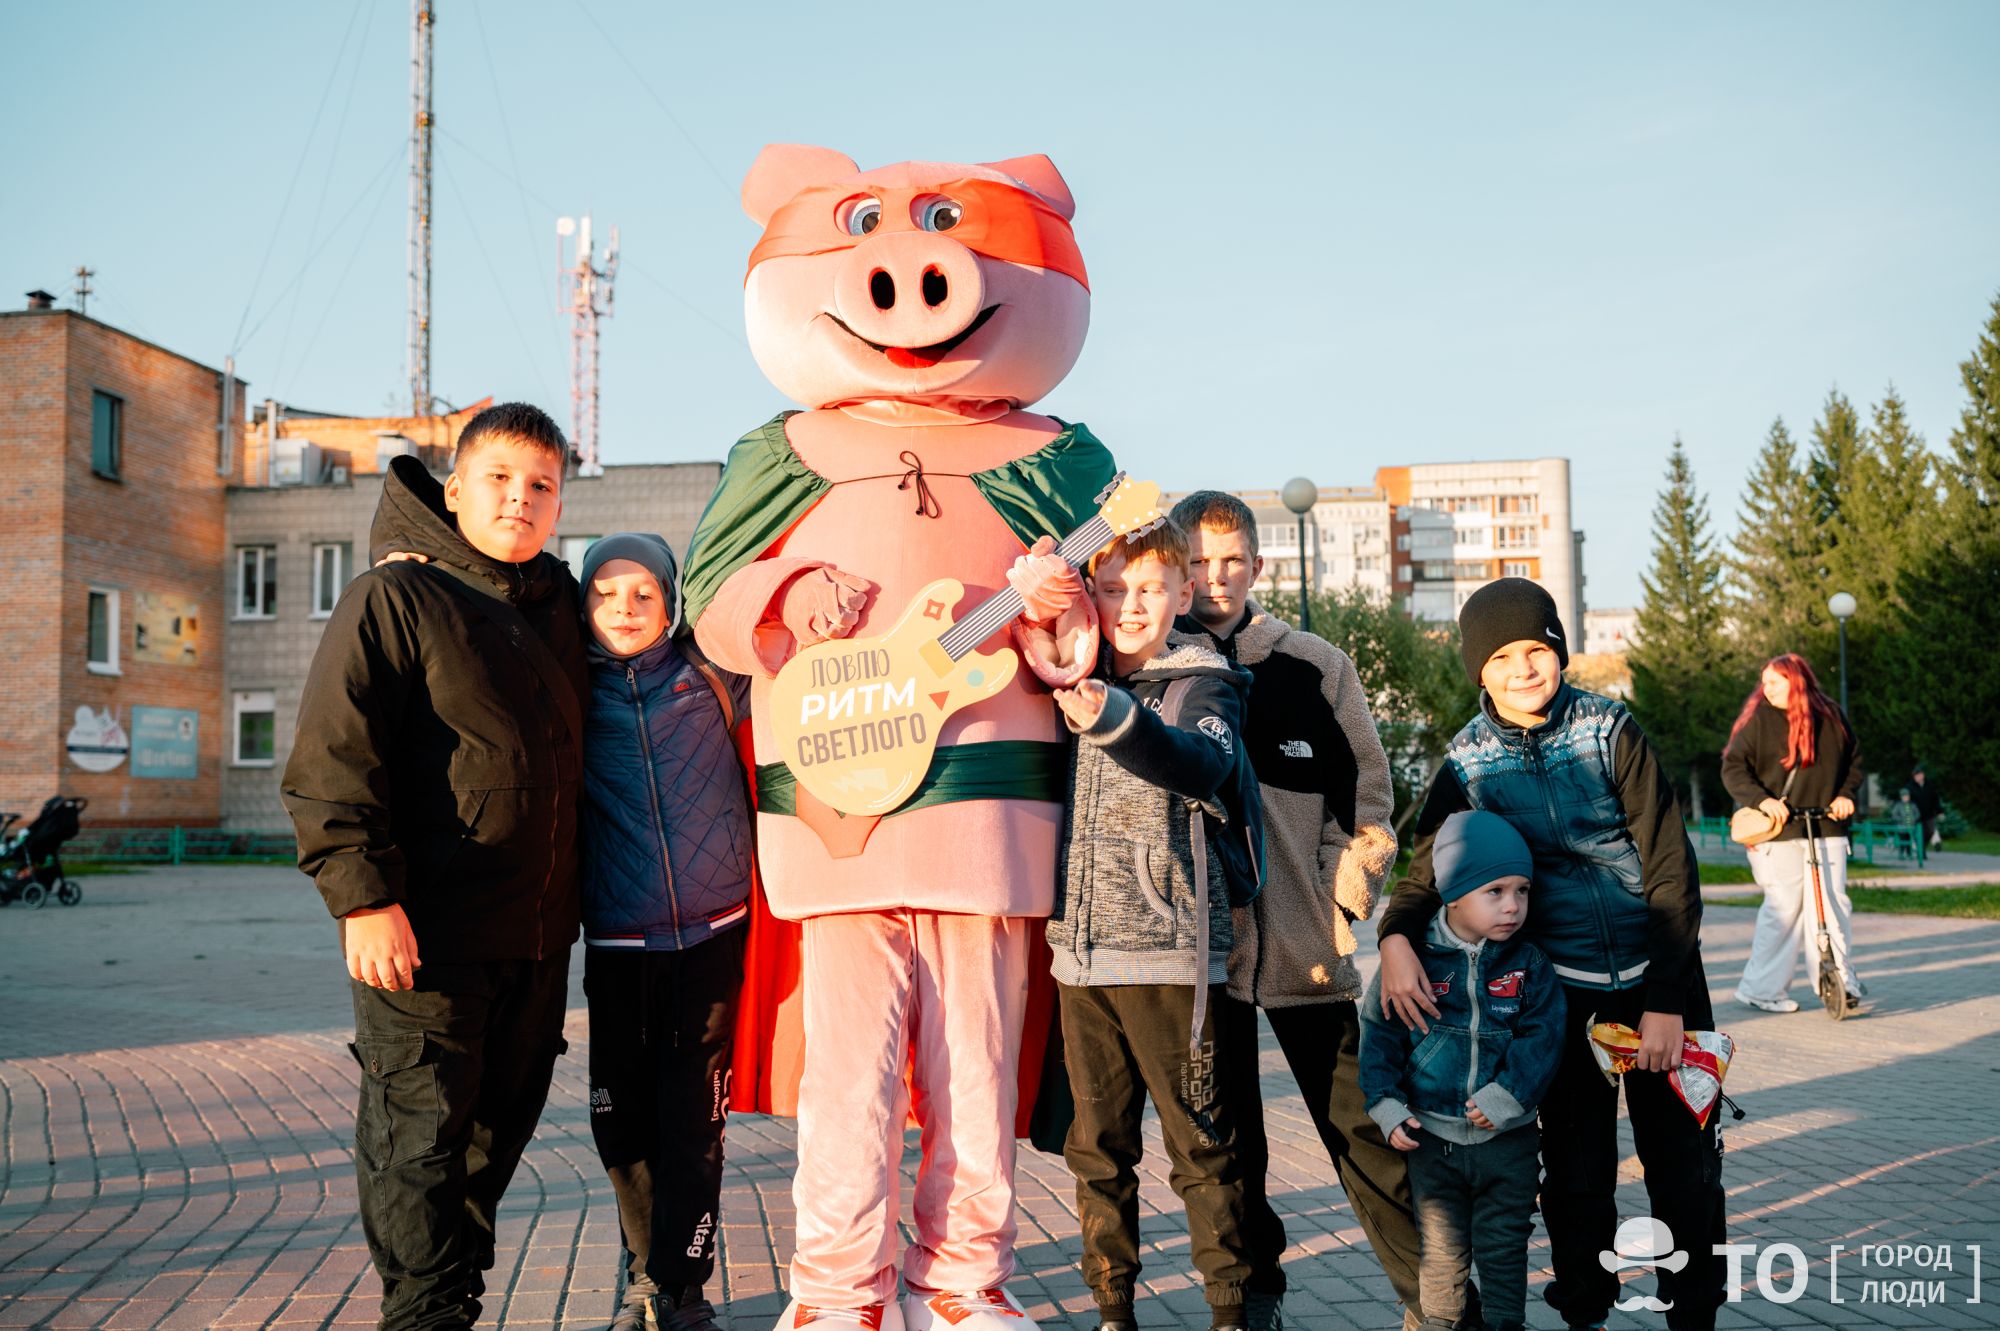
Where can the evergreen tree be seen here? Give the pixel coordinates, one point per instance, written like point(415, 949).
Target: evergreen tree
point(1888, 516)
point(1951, 604)
point(1686, 684)
point(1831, 468)
point(1776, 572)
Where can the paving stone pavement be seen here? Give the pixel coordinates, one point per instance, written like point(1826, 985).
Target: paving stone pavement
point(178, 1111)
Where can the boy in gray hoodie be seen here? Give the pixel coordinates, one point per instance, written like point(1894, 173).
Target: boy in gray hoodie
point(1141, 935)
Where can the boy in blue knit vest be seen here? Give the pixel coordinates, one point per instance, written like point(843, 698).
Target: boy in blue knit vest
point(1617, 911)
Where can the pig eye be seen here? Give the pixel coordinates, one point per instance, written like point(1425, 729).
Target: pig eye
point(860, 216)
point(940, 215)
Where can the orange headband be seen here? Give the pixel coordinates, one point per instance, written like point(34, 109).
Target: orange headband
point(999, 221)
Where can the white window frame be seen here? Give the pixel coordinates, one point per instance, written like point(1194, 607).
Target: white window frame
point(571, 549)
point(343, 554)
point(1516, 568)
point(266, 555)
point(247, 701)
point(111, 631)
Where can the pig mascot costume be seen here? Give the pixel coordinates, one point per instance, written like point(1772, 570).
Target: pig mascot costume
point(913, 310)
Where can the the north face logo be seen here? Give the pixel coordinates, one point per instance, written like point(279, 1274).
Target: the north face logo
point(1506, 986)
point(1296, 748)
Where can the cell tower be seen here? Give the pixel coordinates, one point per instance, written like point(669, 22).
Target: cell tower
point(589, 289)
point(423, 18)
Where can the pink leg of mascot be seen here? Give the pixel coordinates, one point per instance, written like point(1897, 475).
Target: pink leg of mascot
point(914, 310)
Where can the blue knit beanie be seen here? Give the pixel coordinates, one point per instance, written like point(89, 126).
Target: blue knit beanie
point(649, 552)
point(1474, 848)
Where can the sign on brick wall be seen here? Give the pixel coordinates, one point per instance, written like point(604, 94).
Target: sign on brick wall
point(165, 629)
point(163, 743)
point(96, 741)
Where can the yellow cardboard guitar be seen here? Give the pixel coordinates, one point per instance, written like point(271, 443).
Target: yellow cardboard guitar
point(858, 718)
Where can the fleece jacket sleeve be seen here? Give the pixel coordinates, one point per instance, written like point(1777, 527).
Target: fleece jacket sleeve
point(1354, 861)
point(1192, 759)
point(337, 783)
point(1669, 874)
point(1416, 899)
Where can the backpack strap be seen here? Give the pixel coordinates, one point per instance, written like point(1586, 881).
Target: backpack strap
point(713, 677)
point(1170, 712)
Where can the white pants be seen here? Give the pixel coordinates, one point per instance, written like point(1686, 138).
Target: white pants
point(1788, 922)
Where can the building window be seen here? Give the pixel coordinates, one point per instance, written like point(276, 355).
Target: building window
point(332, 563)
point(256, 581)
point(101, 649)
point(1517, 568)
point(107, 434)
point(571, 549)
point(1469, 536)
point(1403, 573)
point(256, 728)
point(1517, 503)
point(1403, 541)
point(1515, 538)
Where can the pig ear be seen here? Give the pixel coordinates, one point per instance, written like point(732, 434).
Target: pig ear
point(783, 169)
point(1039, 174)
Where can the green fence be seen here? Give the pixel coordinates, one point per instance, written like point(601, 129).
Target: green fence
point(1863, 839)
point(178, 845)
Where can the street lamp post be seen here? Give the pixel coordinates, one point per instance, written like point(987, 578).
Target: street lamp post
point(1300, 495)
point(1842, 606)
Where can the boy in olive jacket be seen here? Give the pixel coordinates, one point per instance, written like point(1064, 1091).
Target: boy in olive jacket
point(433, 786)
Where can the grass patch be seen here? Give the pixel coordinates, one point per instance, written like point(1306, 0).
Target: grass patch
point(1975, 843)
point(1979, 902)
point(1723, 875)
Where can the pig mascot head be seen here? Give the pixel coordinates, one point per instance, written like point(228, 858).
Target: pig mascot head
point(924, 282)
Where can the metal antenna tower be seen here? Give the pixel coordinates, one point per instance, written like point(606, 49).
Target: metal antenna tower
point(423, 18)
point(83, 289)
point(589, 288)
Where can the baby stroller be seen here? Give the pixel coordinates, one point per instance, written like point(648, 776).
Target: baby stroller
point(31, 862)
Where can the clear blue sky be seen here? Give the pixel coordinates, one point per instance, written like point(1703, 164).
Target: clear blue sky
point(1321, 238)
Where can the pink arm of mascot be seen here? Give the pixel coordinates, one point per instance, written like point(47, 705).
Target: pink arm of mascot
point(914, 311)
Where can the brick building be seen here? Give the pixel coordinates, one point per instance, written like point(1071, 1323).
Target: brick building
point(170, 577)
point(116, 469)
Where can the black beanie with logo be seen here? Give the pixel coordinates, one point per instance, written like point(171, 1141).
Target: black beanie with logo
point(1505, 611)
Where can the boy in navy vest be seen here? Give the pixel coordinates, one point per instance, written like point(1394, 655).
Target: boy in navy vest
point(666, 882)
point(1618, 913)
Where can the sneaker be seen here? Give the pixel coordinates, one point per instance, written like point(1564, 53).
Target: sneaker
point(635, 1309)
point(869, 1317)
point(979, 1310)
point(684, 1310)
point(1768, 1004)
point(1263, 1312)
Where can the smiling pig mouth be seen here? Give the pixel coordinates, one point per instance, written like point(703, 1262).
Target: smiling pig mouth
point(920, 358)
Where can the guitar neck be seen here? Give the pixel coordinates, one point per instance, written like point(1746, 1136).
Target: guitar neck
point(993, 614)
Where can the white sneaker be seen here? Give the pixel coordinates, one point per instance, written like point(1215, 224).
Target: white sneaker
point(980, 1310)
point(869, 1317)
point(1768, 1004)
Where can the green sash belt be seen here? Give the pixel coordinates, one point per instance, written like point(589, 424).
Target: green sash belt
point(1005, 769)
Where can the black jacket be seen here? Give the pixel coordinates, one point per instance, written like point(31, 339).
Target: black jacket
point(440, 739)
point(1753, 768)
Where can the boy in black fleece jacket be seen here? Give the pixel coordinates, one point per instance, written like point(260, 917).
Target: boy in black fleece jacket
point(433, 787)
point(1618, 913)
point(1141, 927)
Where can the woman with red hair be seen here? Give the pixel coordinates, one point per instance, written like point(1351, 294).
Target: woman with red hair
point(1791, 732)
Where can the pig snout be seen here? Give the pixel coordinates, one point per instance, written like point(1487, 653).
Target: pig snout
point(909, 291)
